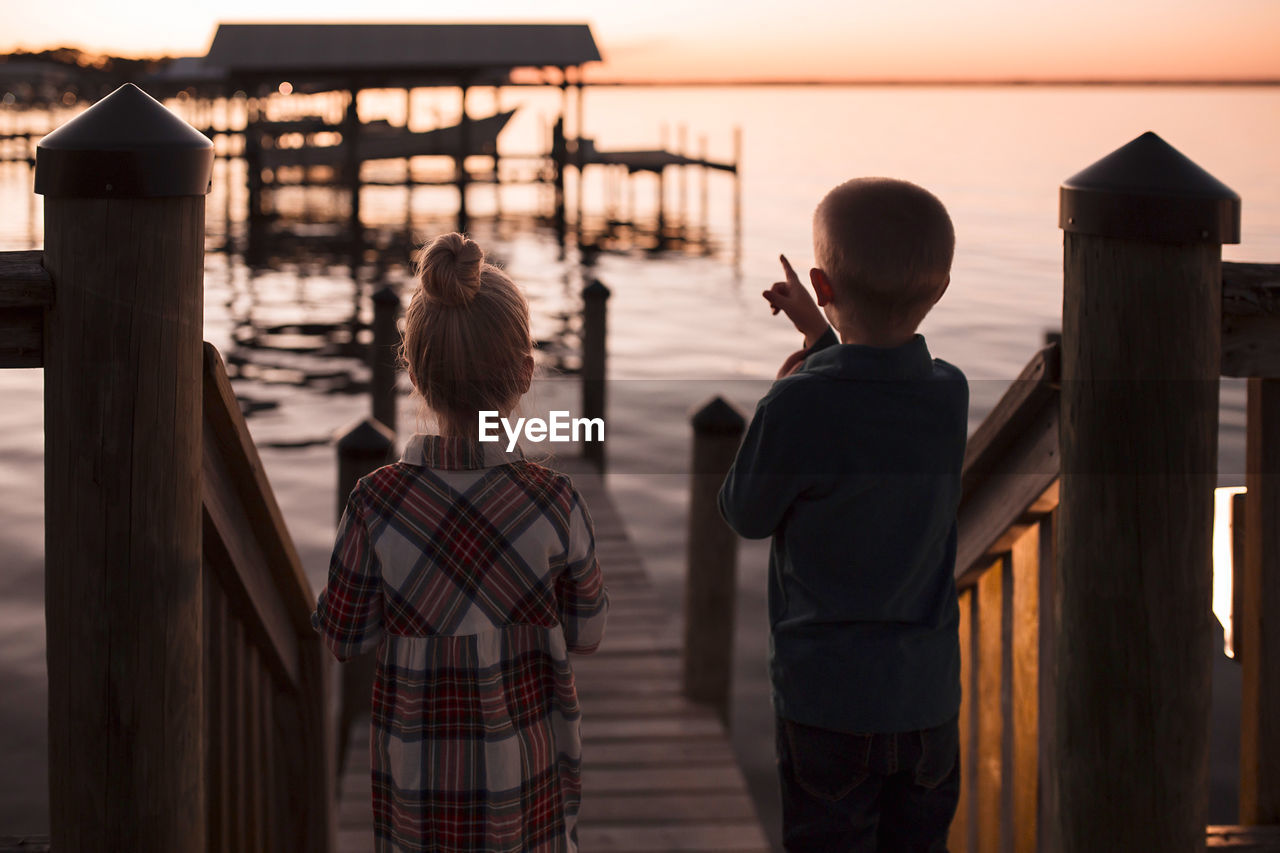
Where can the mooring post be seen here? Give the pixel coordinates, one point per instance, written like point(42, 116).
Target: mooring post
point(384, 355)
point(1141, 348)
point(559, 159)
point(595, 299)
point(1259, 577)
point(461, 176)
point(362, 447)
point(712, 560)
point(124, 186)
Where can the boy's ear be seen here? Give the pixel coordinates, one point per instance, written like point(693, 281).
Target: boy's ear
point(942, 290)
point(821, 286)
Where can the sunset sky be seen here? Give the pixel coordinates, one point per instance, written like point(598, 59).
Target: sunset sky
point(754, 39)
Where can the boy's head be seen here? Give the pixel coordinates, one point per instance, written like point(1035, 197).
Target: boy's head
point(885, 247)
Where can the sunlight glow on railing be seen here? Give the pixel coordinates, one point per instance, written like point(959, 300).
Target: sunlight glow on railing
point(1222, 562)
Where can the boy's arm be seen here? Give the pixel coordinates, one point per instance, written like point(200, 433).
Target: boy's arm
point(761, 485)
point(348, 614)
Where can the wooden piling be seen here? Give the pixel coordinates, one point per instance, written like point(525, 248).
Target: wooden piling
point(362, 448)
point(384, 355)
point(351, 175)
point(595, 299)
point(461, 175)
point(1140, 366)
point(1258, 640)
point(124, 187)
point(712, 560)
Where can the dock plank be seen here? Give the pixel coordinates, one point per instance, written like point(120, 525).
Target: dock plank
point(658, 772)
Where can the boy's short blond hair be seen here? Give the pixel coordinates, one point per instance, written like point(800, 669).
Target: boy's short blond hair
point(886, 246)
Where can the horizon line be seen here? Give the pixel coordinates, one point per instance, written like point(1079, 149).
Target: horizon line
point(943, 81)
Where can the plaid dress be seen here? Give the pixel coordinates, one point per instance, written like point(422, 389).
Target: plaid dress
point(473, 574)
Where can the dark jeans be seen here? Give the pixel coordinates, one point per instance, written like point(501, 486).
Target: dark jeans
point(855, 792)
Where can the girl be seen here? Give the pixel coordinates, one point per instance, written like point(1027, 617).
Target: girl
point(472, 571)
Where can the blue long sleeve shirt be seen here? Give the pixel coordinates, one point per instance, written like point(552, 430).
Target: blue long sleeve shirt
point(852, 465)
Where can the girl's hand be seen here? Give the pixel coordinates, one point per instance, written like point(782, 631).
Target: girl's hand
point(793, 299)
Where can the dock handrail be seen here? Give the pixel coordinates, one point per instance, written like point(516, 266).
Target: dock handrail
point(1007, 575)
point(268, 749)
point(187, 700)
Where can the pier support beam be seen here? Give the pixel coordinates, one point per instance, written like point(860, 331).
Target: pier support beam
point(124, 187)
point(1140, 367)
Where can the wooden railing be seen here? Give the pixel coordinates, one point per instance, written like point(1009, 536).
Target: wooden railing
point(187, 700)
point(1004, 574)
point(1007, 576)
point(268, 749)
point(267, 744)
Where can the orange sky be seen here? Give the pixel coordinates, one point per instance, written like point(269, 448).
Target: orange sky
point(800, 39)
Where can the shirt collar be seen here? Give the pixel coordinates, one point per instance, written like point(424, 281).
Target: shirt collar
point(856, 361)
point(456, 452)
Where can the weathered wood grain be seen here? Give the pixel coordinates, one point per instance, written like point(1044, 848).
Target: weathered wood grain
point(960, 839)
point(1024, 778)
point(25, 292)
point(1244, 839)
point(1140, 376)
point(24, 282)
point(122, 523)
point(1260, 600)
point(1251, 319)
point(989, 757)
point(227, 430)
point(273, 664)
point(1012, 485)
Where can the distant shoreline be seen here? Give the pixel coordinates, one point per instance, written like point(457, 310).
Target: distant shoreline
point(1171, 84)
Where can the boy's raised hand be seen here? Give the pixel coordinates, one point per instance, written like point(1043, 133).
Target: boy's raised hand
point(793, 299)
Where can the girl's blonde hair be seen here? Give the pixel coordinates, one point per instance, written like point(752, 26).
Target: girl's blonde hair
point(466, 338)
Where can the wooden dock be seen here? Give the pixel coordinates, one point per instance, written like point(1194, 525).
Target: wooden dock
point(658, 771)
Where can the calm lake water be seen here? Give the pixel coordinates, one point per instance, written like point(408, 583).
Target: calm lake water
point(683, 325)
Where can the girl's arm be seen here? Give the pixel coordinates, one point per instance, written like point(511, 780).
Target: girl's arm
point(584, 602)
point(348, 613)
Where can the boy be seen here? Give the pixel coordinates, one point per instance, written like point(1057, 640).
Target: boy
point(852, 464)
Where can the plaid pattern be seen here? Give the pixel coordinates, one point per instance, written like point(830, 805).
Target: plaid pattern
point(473, 573)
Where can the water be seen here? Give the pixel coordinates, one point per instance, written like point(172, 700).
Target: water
point(683, 326)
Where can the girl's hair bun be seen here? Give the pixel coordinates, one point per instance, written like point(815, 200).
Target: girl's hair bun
point(450, 269)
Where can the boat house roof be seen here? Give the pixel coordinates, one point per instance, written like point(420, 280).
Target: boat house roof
point(398, 52)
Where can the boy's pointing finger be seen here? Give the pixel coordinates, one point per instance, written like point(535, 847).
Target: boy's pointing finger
point(791, 274)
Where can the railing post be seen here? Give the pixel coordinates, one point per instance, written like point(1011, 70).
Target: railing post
point(710, 580)
point(362, 448)
point(384, 355)
point(124, 187)
point(595, 299)
point(1259, 639)
point(1140, 366)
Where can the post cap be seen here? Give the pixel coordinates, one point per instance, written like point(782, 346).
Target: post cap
point(1148, 190)
point(366, 437)
point(125, 146)
point(595, 290)
point(718, 417)
point(386, 295)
